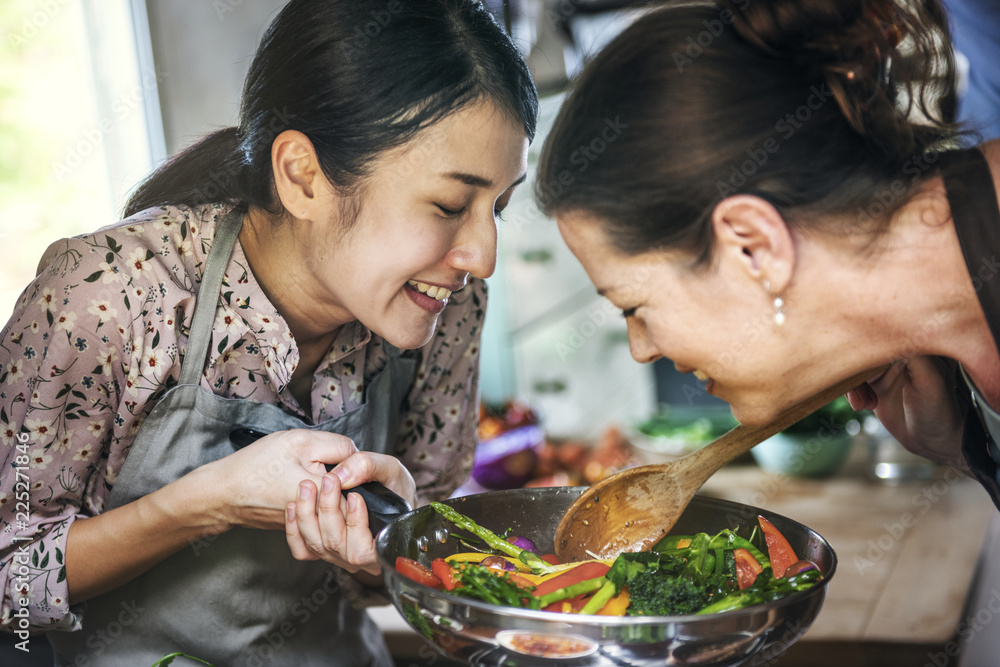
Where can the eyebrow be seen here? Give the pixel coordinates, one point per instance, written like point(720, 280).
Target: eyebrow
point(479, 181)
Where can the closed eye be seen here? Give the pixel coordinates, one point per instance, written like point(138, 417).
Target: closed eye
point(449, 211)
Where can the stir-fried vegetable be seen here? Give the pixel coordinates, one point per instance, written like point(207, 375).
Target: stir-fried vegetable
point(681, 575)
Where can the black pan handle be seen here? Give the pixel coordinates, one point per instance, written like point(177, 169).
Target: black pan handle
point(384, 506)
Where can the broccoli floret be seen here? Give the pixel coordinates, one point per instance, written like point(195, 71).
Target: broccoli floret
point(653, 593)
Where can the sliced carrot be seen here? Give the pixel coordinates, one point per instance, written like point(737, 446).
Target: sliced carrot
point(616, 606)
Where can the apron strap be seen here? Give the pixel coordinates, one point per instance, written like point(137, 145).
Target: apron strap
point(207, 300)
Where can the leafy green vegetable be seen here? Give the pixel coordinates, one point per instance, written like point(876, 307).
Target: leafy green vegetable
point(489, 585)
point(169, 659)
point(765, 589)
point(654, 594)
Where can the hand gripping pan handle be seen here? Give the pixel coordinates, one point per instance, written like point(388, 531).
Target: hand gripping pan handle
point(384, 506)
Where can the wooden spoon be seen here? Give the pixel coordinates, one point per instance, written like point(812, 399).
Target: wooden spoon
point(632, 510)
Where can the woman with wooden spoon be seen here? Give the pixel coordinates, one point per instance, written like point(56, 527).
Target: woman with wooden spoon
point(785, 206)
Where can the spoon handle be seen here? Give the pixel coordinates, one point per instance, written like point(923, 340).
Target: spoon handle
point(741, 439)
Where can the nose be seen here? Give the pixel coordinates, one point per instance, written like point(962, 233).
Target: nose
point(475, 249)
point(643, 350)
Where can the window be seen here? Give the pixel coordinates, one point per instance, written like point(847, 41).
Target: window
point(79, 124)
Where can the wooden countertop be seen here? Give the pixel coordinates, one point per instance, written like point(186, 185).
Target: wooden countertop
point(907, 553)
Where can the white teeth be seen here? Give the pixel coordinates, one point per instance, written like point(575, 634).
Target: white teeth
point(701, 375)
point(433, 291)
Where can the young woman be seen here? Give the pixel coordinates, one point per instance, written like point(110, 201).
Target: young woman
point(314, 274)
point(779, 211)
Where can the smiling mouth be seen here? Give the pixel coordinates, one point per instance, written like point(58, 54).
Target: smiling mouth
point(433, 291)
point(701, 375)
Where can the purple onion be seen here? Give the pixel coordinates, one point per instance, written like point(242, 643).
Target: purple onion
point(798, 567)
point(524, 543)
point(508, 460)
point(497, 563)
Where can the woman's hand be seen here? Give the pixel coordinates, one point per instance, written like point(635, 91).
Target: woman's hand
point(322, 524)
point(275, 483)
point(915, 400)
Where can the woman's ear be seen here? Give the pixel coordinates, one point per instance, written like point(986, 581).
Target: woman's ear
point(751, 233)
point(298, 177)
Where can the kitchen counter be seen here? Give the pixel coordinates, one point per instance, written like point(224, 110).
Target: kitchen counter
point(908, 556)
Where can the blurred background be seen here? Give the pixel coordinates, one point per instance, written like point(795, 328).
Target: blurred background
point(95, 93)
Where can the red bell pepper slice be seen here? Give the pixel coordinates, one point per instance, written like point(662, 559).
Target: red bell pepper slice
point(778, 549)
point(582, 572)
point(551, 559)
point(747, 568)
point(442, 570)
point(414, 571)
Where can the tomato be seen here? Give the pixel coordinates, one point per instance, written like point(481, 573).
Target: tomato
point(778, 549)
point(747, 568)
point(442, 570)
point(414, 571)
point(551, 559)
point(582, 572)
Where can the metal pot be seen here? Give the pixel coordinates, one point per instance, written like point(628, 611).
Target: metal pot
point(478, 633)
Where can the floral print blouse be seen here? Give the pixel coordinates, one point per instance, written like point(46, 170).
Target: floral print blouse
point(98, 337)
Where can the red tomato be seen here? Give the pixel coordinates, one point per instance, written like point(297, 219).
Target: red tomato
point(414, 571)
point(584, 572)
point(747, 568)
point(442, 570)
point(778, 549)
point(551, 559)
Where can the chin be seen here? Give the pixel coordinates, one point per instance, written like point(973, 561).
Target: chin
point(753, 415)
point(408, 340)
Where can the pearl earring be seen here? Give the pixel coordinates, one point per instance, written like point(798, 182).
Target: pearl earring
point(779, 315)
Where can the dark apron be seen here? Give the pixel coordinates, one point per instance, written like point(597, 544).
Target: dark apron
point(238, 598)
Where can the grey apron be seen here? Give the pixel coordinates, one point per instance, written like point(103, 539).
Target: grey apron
point(238, 598)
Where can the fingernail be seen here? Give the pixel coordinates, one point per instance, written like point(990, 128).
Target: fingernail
point(343, 474)
point(327, 484)
point(352, 502)
point(303, 490)
point(290, 512)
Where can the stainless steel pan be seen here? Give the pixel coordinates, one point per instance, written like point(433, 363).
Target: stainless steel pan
point(478, 633)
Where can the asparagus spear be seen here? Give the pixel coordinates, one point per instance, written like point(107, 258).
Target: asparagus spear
point(537, 565)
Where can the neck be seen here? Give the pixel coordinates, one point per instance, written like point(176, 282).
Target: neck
point(912, 297)
point(274, 254)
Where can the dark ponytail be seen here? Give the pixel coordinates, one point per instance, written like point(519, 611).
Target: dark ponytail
point(358, 77)
point(825, 109)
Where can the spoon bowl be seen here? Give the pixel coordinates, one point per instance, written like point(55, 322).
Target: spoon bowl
point(634, 509)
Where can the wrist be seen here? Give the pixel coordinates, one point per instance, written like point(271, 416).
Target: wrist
point(193, 503)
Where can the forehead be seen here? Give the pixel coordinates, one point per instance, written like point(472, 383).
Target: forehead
point(477, 140)
point(614, 273)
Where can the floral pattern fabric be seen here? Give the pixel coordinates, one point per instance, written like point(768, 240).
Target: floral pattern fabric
point(98, 337)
